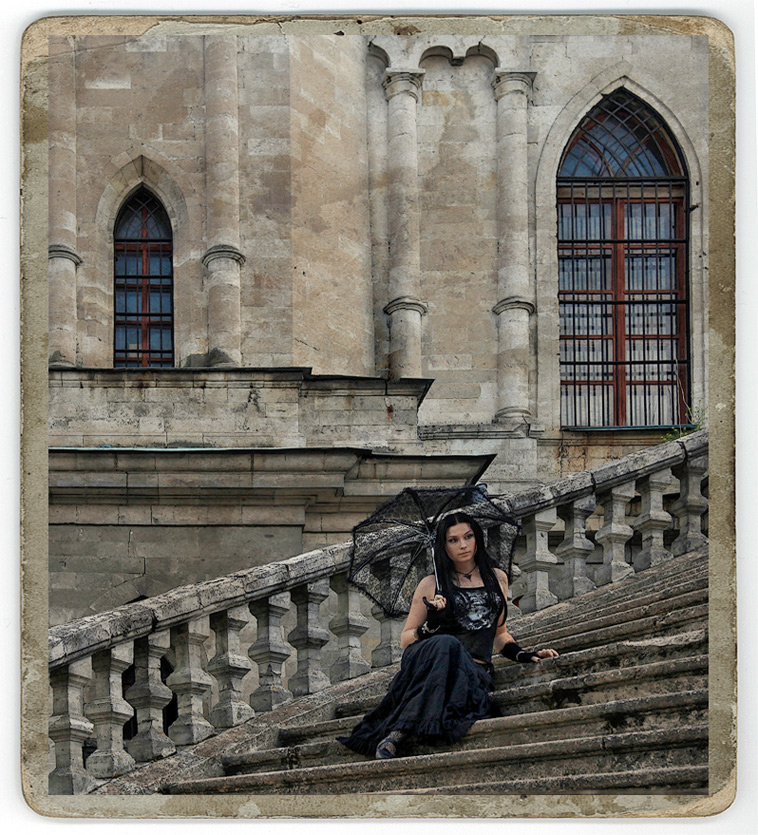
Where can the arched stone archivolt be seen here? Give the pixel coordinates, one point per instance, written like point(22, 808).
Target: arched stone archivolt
point(96, 274)
point(546, 272)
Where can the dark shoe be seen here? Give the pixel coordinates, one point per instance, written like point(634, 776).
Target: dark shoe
point(387, 748)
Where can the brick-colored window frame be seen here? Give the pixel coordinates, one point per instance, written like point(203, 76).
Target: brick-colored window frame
point(143, 284)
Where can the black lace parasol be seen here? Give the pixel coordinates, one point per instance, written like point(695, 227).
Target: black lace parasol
point(393, 549)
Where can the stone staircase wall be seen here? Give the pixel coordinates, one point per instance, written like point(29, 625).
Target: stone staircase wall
point(649, 509)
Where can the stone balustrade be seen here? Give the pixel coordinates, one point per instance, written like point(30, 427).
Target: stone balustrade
point(586, 530)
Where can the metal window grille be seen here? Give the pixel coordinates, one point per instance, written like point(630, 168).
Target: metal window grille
point(622, 255)
point(143, 284)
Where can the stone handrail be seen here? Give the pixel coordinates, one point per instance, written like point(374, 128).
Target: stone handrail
point(88, 657)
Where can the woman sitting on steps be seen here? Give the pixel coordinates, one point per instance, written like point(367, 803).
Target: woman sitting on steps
point(448, 640)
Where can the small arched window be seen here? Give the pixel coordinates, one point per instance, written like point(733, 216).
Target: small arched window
point(622, 253)
point(143, 292)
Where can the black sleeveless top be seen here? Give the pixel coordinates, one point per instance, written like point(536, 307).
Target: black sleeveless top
point(477, 613)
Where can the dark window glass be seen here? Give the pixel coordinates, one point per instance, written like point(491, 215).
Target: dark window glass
point(622, 283)
point(143, 275)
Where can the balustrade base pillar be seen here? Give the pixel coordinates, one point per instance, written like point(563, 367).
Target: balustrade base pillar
point(150, 745)
point(612, 572)
point(106, 764)
point(69, 781)
point(190, 731)
point(268, 697)
point(651, 557)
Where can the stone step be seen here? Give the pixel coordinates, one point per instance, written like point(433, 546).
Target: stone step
point(683, 746)
point(670, 676)
point(590, 634)
point(594, 659)
point(666, 780)
point(659, 712)
point(571, 611)
point(658, 581)
point(607, 656)
point(592, 623)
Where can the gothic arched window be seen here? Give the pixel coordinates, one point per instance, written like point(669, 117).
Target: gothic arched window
point(622, 253)
point(143, 293)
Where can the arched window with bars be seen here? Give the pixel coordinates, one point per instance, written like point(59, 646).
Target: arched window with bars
point(622, 254)
point(143, 279)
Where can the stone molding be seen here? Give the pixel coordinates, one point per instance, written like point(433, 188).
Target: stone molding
point(63, 251)
point(223, 251)
point(403, 81)
point(512, 81)
point(406, 303)
point(514, 303)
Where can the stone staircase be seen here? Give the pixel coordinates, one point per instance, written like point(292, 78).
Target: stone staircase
point(623, 709)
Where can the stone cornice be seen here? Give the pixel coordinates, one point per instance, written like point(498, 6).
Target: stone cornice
point(63, 251)
point(507, 81)
point(223, 251)
point(406, 303)
point(514, 302)
point(403, 81)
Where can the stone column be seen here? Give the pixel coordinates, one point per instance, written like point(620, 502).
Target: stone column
point(614, 534)
point(402, 89)
point(269, 651)
point(538, 563)
point(223, 259)
point(348, 625)
point(190, 682)
point(308, 637)
point(109, 711)
point(62, 257)
point(69, 728)
point(514, 306)
point(229, 667)
point(575, 547)
point(148, 696)
point(653, 520)
point(690, 506)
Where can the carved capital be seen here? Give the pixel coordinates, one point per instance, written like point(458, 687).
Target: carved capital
point(403, 81)
point(63, 251)
point(406, 303)
point(512, 81)
point(514, 302)
point(223, 251)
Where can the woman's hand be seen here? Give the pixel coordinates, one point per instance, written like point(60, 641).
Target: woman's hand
point(544, 653)
point(438, 602)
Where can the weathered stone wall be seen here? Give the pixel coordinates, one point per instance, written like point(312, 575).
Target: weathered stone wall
point(330, 276)
point(331, 269)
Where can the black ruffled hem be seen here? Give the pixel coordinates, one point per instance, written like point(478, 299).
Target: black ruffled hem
point(436, 697)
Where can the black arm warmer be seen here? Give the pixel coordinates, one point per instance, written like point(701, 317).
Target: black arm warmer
point(514, 652)
point(434, 620)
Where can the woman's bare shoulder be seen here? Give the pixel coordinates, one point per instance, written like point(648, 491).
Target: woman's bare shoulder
point(501, 575)
point(428, 583)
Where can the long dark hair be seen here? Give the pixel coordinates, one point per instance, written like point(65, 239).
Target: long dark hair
point(445, 567)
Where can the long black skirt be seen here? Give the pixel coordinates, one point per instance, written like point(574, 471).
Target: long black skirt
point(438, 694)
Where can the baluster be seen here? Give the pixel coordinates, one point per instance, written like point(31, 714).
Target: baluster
point(388, 650)
point(190, 682)
point(69, 728)
point(229, 667)
point(308, 637)
point(538, 563)
point(109, 711)
point(653, 520)
point(148, 696)
point(614, 534)
point(269, 651)
point(575, 548)
point(690, 506)
point(348, 625)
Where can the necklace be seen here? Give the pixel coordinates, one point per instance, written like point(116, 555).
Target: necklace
point(463, 573)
